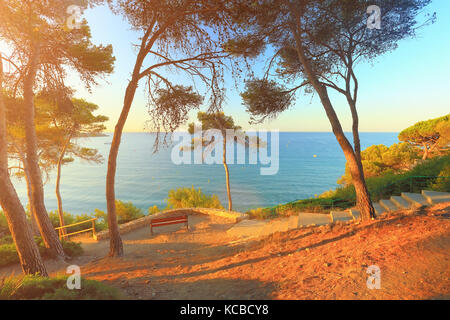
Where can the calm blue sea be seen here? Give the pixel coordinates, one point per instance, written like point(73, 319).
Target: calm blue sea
point(145, 178)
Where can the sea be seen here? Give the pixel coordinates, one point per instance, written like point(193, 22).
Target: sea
point(309, 164)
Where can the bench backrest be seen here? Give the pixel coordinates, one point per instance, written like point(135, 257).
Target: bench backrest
point(170, 220)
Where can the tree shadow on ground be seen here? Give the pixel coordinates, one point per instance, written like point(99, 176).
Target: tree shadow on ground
point(221, 289)
point(281, 253)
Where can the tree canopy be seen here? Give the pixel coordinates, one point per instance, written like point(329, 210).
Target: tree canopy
point(27, 25)
point(216, 120)
point(378, 160)
point(55, 131)
point(431, 135)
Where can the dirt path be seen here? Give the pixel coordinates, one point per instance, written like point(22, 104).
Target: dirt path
point(327, 262)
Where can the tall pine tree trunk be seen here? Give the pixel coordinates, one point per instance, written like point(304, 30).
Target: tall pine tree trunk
point(29, 256)
point(58, 197)
point(33, 221)
point(62, 232)
point(227, 173)
point(48, 233)
point(362, 196)
point(363, 202)
point(115, 241)
point(34, 224)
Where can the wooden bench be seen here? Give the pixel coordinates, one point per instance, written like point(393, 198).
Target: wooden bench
point(167, 221)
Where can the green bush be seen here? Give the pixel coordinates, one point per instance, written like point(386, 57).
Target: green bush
point(192, 198)
point(262, 213)
point(443, 182)
point(41, 288)
point(69, 218)
point(8, 252)
point(72, 249)
point(6, 239)
point(379, 160)
point(153, 210)
point(431, 167)
point(126, 212)
point(3, 224)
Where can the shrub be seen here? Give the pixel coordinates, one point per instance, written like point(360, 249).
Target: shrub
point(443, 182)
point(36, 287)
point(379, 160)
point(72, 249)
point(192, 198)
point(6, 239)
point(8, 287)
point(262, 213)
point(153, 210)
point(126, 211)
point(3, 224)
point(70, 219)
point(8, 252)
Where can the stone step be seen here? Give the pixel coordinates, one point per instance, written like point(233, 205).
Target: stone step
point(434, 197)
point(388, 205)
point(416, 200)
point(293, 222)
point(355, 214)
point(400, 202)
point(281, 225)
point(317, 219)
point(266, 230)
point(379, 210)
point(340, 216)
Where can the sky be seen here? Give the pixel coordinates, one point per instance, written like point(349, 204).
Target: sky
point(397, 90)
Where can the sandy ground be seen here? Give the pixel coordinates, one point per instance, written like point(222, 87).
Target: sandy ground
point(328, 262)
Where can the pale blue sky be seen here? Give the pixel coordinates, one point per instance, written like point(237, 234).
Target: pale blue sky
point(397, 90)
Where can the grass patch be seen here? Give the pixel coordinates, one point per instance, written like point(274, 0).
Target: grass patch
point(41, 288)
point(8, 252)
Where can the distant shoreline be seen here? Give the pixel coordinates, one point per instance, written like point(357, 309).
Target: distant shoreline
point(93, 135)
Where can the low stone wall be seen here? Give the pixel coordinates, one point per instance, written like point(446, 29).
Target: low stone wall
point(145, 221)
